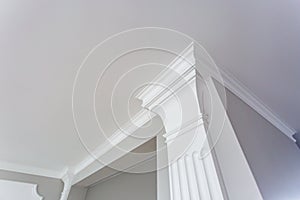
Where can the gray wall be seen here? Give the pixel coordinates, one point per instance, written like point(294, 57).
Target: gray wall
point(126, 187)
point(77, 193)
point(273, 157)
point(49, 188)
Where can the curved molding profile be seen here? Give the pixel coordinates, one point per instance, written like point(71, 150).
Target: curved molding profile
point(240, 90)
point(67, 180)
point(36, 192)
point(19, 190)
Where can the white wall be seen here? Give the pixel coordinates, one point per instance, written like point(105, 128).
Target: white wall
point(125, 187)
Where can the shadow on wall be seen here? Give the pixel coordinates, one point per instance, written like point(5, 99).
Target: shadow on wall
point(49, 188)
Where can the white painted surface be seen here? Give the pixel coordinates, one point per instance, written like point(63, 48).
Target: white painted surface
point(187, 140)
point(42, 44)
point(237, 176)
point(11, 190)
point(67, 180)
point(162, 174)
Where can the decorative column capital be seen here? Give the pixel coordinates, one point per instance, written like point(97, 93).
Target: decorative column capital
point(174, 91)
point(174, 134)
point(173, 96)
point(178, 73)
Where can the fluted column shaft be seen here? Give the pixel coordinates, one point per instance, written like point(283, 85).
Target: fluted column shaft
point(192, 175)
point(173, 97)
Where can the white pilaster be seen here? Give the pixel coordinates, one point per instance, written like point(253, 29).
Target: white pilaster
point(173, 96)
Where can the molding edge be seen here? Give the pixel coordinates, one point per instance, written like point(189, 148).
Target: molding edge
point(67, 180)
point(177, 74)
point(179, 131)
point(139, 119)
point(241, 91)
point(35, 191)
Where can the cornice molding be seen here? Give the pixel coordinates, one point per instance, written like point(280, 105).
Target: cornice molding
point(121, 134)
point(153, 95)
point(245, 94)
point(179, 131)
point(177, 74)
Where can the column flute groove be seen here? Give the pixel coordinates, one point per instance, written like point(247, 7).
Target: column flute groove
point(175, 182)
point(201, 177)
point(183, 180)
point(191, 176)
point(212, 178)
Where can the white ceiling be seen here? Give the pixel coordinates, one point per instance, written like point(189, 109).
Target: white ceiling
point(42, 44)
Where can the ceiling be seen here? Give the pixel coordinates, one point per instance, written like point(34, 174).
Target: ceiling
point(43, 43)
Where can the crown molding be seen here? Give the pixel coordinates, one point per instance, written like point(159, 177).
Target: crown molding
point(245, 94)
point(177, 74)
point(179, 131)
point(87, 166)
point(180, 72)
